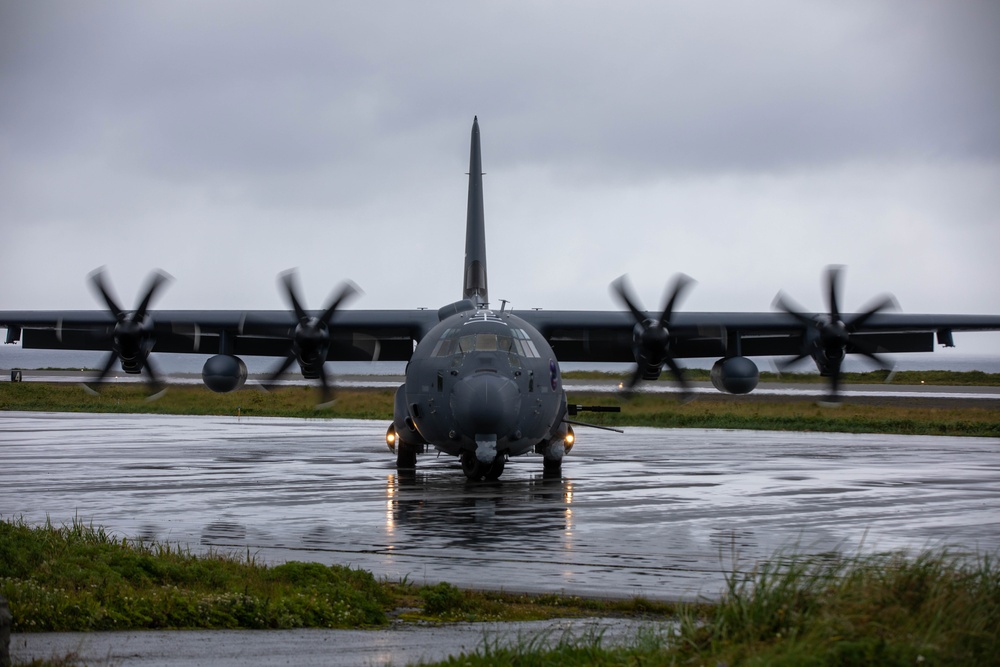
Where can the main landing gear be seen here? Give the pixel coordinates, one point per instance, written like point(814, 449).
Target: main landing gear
point(551, 468)
point(475, 469)
point(406, 456)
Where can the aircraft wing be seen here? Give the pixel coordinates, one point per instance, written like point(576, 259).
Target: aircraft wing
point(607, 336)
point(389, 335)
point(357, 335)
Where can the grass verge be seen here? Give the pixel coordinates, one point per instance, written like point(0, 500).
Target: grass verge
point(80, 578)
point(642, 410)
point(898, 378)
point(885, 609)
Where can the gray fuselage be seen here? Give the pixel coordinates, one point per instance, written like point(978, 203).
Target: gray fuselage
point(484, 379)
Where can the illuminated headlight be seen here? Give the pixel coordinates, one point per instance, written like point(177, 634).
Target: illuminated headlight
point(569, 439)
point(391, 438)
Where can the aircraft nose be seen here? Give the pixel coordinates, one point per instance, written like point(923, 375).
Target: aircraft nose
point(487, 404)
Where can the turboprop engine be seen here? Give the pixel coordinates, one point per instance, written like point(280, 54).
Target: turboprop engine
point(735, 375)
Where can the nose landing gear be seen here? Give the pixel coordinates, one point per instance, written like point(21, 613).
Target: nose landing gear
point(476, 470)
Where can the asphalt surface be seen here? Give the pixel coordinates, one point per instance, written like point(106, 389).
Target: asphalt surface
point(659, 513)
point(310, 648)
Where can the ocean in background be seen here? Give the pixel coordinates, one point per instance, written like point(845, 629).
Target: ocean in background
point(13, 356)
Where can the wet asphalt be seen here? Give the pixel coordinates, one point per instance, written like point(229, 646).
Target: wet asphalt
point(660, 513)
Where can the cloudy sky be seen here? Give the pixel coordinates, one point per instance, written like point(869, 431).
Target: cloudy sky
point(747, 144)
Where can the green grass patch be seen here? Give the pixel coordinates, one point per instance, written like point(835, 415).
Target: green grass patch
point(935, 378)
point(883, 609)
point(79, 578)
point(887, 609)
point(195, 400)
point(729, 413)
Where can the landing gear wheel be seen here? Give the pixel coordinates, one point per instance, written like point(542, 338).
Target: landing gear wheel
point(551, 468)
point(472, 467)
point(496, 469)
point(406, 456)
point(476, 470)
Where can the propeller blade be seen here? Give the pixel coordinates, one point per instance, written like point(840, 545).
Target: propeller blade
point(865, 350)
point(346, 292)
point(633, 379)
point(269, 383)
point(833, 273)
point(784, 303)
point(681, 283)
point(326, 391)
point(621, 288)
point(686, 393)
point(97, 281)
point(834, 395)
point(288, 278)
point(157, 279)
point(157, 388)
point(884, 303)
point(788, 363)
point(108, 363)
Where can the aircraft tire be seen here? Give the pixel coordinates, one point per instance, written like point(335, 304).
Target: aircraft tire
point(476, 470)
point(551, 468)
point(471, 466)
point(496, 469)
point(406, 456)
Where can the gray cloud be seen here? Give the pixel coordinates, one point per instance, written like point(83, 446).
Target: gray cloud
point(747, 144)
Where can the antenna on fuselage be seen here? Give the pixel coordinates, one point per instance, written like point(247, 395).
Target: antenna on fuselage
point(475, 287)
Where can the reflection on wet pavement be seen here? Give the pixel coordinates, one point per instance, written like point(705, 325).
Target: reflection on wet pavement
point(661, 513)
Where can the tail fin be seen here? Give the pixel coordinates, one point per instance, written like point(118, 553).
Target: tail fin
point(475, 228)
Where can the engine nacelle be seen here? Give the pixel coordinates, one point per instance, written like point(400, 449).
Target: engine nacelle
point(735, 375)
point(224, 372)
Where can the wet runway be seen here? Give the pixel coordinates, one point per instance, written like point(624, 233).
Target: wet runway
point(654, 512)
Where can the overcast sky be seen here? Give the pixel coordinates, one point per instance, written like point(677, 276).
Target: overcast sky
point(747, 144)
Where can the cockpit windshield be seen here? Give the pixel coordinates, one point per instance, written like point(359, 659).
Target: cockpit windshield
point(455, 341)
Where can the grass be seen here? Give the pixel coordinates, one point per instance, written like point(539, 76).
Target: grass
point(195, 400)
point(712, 411)
point(901, 378)
point(888, 609)
point(882, 609)
point(80, 578)
point(798, 415)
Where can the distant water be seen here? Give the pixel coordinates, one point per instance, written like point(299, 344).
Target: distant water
point(13, 356)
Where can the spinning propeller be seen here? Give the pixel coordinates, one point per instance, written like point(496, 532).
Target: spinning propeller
point(132, 338)
point(829, 338)
point(652, 339)
point(310, 340)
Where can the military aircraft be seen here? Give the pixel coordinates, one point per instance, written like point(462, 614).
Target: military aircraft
point(484, 384)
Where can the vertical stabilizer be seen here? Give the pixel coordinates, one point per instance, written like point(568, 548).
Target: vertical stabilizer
point(475, 228)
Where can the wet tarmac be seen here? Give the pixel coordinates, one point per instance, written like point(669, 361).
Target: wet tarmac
point(659, 513)
point(654, 512)
point(320, 648)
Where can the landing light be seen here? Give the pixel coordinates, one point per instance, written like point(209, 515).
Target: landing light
point(569, 439)
point(391, 437)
